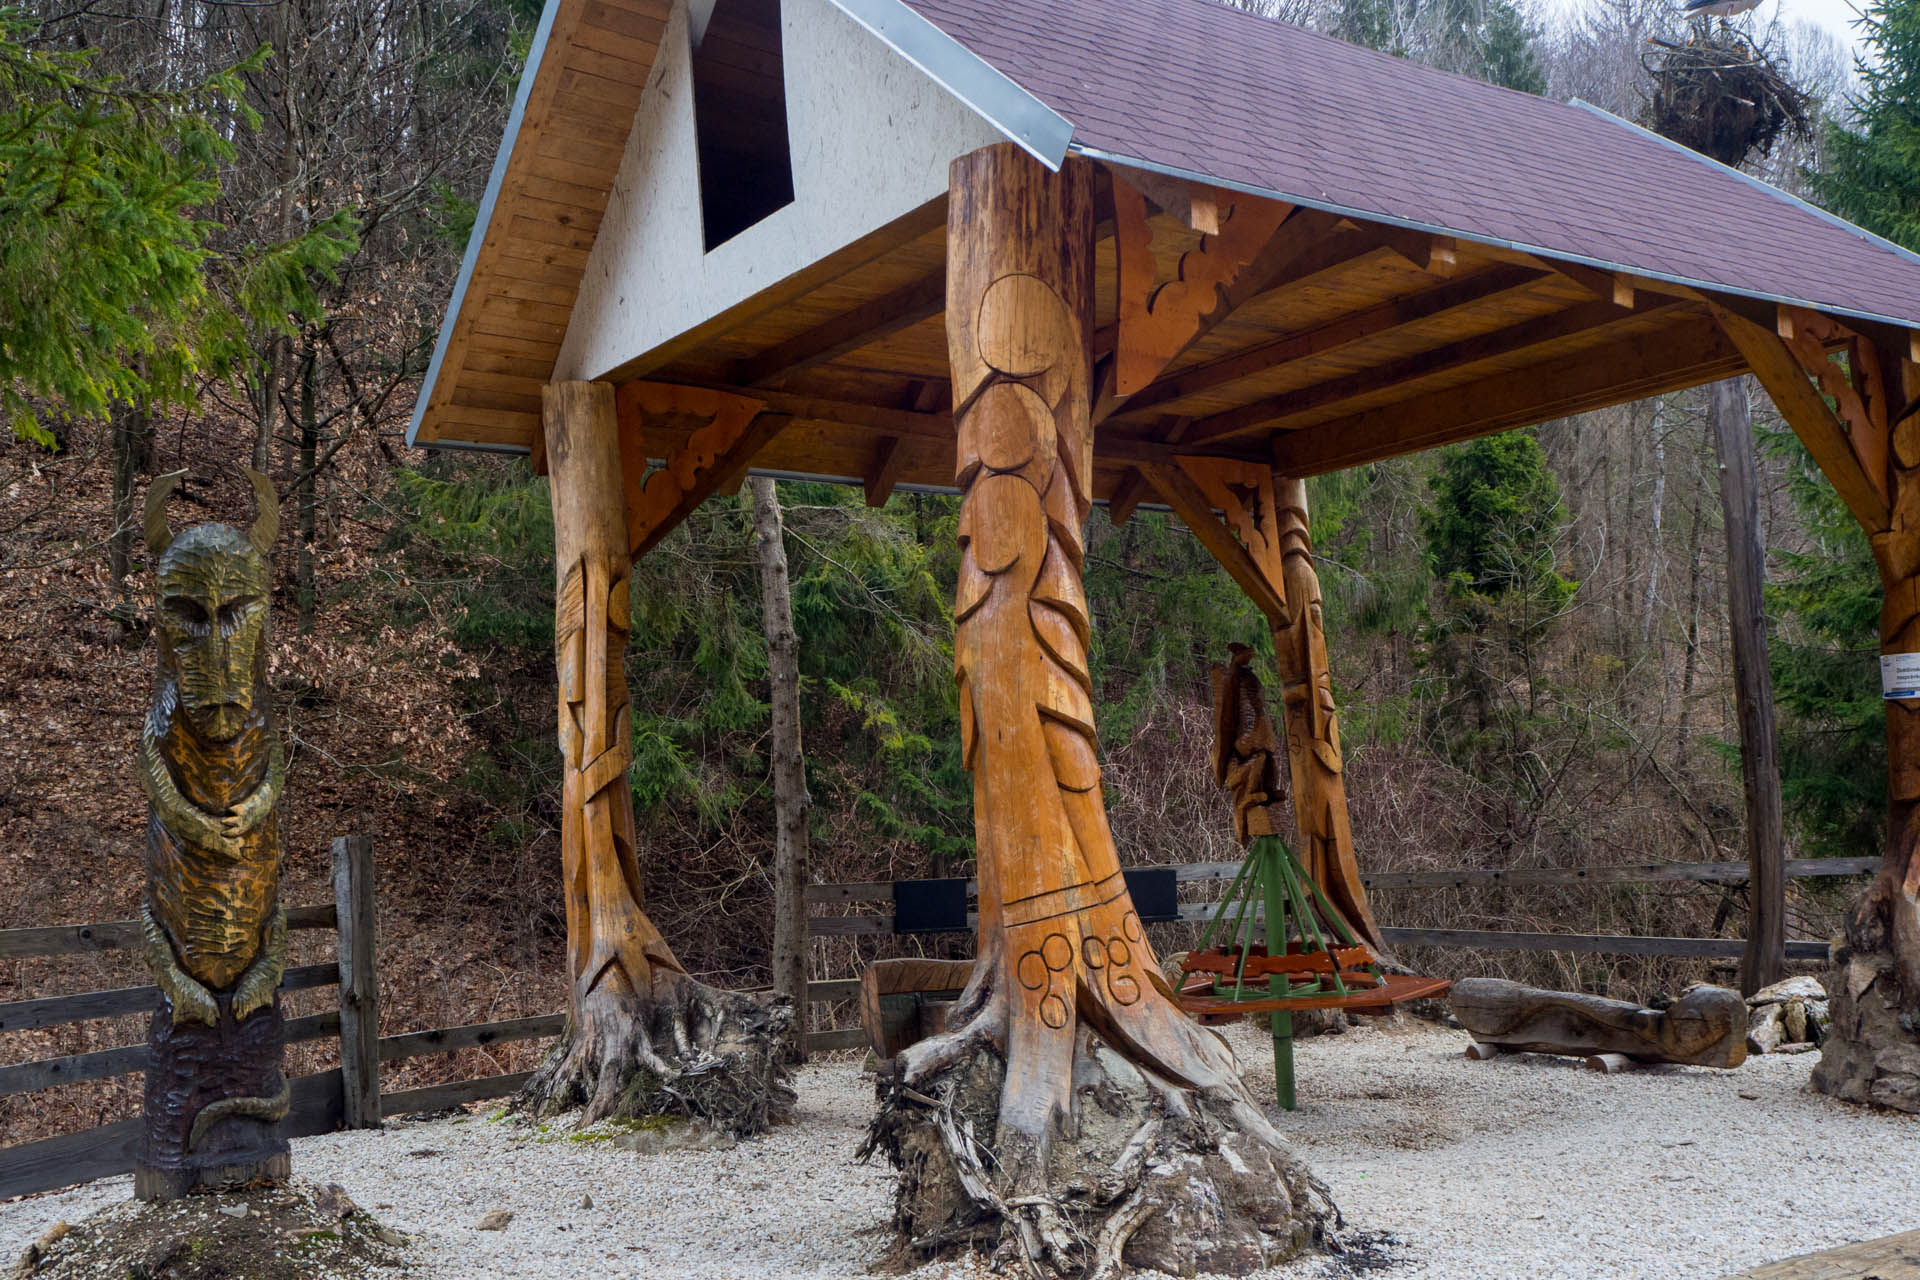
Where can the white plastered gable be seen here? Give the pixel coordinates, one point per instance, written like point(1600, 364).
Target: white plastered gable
point(871, 135)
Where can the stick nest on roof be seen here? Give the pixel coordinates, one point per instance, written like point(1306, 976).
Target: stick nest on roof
point(1721, 96)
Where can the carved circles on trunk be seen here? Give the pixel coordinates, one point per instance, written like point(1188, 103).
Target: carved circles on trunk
point(1040, 970)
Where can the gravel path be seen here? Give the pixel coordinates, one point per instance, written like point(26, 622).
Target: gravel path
point(1520, 1167)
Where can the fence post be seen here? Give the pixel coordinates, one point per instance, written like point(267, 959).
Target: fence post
point(359, 983)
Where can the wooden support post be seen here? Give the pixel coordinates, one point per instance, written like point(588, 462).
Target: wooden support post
point(1765, 959)
point(353, 899)
point(1066, 980)
point(636, 1020)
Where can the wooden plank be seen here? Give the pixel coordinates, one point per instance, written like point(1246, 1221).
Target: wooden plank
point(1272, 411)
point(845, 1038)
point(1682, 355)
point(1591, 944)
point(865, 324)
point(1801, 404)
point(51, 1011)
point(118, 935)
point(102, 1064)
point(890, 460)
point(1894, 1257)
point(108, 1150)
point(839, 989)
point(1456, 295)
point(475, 1036)
point(441, 1096)
point(359, 982)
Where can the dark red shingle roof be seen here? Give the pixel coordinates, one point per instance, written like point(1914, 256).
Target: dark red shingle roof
point(1204, 89)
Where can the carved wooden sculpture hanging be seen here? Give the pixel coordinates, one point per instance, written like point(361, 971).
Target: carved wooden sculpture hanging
point(642, 1037)
point(1870, 449)
point(1066, 1000)
point(215, 935)
point(1261, 539)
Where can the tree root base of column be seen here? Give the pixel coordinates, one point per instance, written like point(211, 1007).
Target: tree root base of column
point(1152, 1175)
point(1872, 1050)
point(687, 1050)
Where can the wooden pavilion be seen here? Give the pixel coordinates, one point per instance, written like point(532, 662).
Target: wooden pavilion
point(1048, 253)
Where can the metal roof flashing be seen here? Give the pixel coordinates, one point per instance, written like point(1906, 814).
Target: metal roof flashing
point(993, 95)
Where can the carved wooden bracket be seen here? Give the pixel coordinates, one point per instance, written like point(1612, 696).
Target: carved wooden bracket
point(1160, 320)
point(1246, 542)
point(732, 428)
point(1859, 392)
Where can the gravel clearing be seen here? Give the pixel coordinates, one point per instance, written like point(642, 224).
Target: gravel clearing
point(1519, 1167)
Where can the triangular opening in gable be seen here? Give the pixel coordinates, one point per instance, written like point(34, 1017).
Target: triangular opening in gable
point(740, 118)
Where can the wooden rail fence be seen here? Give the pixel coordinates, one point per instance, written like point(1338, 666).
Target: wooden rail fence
point(346, 1097)
point(881, 923)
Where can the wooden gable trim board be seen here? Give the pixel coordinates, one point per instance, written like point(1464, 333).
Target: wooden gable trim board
point(538, 107)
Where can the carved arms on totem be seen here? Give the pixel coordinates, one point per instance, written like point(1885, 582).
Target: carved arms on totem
point(212, 767)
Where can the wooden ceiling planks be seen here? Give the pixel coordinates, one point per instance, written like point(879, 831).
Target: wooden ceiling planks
point(526, 272)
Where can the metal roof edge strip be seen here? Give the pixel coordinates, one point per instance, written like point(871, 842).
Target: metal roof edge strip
point(1805, 206)
point(472, 446)
point(996, 97)
point(484, 214)
point(1558, 255)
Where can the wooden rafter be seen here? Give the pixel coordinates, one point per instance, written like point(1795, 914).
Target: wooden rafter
point(1478, 290)
point(890, 459)
point(1126, 496)
point(1274, 410)
point(1800, 403)
point(1174, 482)
point(1857, 389)
point(1685, 354)
point(860, 327)
point(716, 454)
point(1158, 321)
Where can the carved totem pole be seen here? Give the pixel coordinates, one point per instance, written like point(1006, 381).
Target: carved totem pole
point(215, 933)
point(1066, 1001)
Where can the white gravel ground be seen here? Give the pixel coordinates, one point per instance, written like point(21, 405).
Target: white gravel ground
point(1516, 1168)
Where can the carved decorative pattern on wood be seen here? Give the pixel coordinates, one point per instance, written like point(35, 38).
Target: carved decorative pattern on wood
point(655, 503)
point(1060, 941)
point(611, 944)
point(1159, 320)
point(213, 930)
point(1858, 390)
point(1243, 493)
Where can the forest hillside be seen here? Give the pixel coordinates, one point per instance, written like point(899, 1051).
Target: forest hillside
point(1529, 632)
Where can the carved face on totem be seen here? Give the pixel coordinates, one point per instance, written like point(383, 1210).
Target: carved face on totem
point(212, 584)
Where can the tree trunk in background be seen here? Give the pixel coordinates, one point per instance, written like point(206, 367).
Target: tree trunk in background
point(791, 802)
point(1120, 1129)
point(132, 434)
point(307, 487)
point(641, 1037)
point(1764, 960)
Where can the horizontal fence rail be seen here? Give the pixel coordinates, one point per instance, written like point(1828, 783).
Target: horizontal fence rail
point(881, 923)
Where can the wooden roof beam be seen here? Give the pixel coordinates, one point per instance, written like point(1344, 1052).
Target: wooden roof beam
point(864, 325)
point(1195, 510)
point(1806, 411)
point(1681, 355)
point(1456, 295)
point(1266, 414)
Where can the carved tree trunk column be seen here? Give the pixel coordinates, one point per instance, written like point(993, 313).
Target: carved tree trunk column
point(1066, 999)
point(636, 1021)
point(1313, 730)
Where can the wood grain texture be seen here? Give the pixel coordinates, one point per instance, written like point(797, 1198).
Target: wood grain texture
point(359, 982)
point(610, 941)
point(1705, 1027)
point(1895, 1257)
